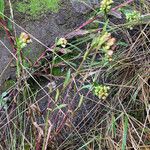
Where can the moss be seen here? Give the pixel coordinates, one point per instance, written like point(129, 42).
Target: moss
point(36, 8)
point(8, 84)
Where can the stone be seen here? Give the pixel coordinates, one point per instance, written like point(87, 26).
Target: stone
point(44, 31)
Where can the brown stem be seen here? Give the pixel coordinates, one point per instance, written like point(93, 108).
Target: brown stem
point(9, 35)
point(122, 5)
point(62, 123)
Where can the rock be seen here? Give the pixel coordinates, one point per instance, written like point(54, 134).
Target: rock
point(44, 32)
point(5, 57)
point(83, 6)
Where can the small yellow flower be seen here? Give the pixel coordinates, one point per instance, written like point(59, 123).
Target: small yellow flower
point(25, 38)
point(110, 53)
point(103, 97)
point(106, 5)
point(101, 91)
point(111, 42)
point(62, 42)
point(110, 59)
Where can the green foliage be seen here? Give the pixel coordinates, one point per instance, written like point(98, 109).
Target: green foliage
point(131, 16)
point(35, 8)
point(59, 107)
point(2, 7)
point(57, 71)
point(8, 84)
point(3, 100)
point(67, 79)
point(125, 130)
point(80, 102)
point(101, 62)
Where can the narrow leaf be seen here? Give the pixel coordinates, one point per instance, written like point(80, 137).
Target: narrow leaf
point(80, 102)
point(57, 95)
point(2, 6)
point(113, 126)
point(60, 106)
point(67, 79)
point(125, 130)
point(89, 86)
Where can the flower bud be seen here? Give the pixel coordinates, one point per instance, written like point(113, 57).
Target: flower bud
point(110, 53)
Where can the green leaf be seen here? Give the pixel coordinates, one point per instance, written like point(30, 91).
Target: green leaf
point(56, 71)
point(89, 86)
point(2, 7)
point(67, 79)
point(113, 125)
point(120, 43)
point(125, 130)
point(57, 95)
point(80, 102)
point(3, 100)
point(4, 94)
point(60, 107)
point(9, 25)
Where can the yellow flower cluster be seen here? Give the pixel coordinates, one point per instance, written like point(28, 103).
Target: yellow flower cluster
point(106, 5)
point(107, 47)
point(24, 39)
point(132, 16)
point(102, 91)
point(105, 42)
point(62, 42)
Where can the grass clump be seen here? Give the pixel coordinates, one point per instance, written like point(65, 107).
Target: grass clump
point(35, 8)
point(92, 87)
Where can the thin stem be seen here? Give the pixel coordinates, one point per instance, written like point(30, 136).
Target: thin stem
point(122, 5)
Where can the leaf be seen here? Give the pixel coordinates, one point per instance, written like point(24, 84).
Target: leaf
point(120, 43)
point(89, 86)
point(125, 130)
point(57, 95)
point(60, 107)
point(4, 94)
point(77, 33)
point(2, 7)
point(3, 100)
point(9, 25)
point(56, 71)
point(67, 79)
point(113, 126)
point(80, 102)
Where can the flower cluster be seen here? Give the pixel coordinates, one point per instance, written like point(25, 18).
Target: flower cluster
point(106, 6)
point(107, 46)
point(132, 16)
point(24, 39)
point(101, 91)
point(106, 43)
point(62, 42)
